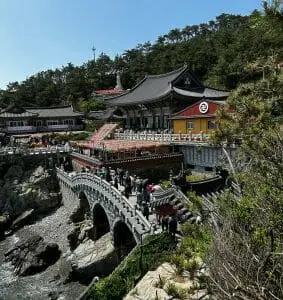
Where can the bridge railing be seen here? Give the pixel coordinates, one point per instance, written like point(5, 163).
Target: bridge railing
point(163, 137)
point(147, 157)
point(117, 199)
point(33, 151)
point(88, 158)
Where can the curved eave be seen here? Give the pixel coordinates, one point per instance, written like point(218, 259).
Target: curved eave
point(111, 101)
point(18, 116)
point(143, 101)
point(207, 93)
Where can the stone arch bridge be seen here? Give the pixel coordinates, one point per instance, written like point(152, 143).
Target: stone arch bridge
point(109, 209)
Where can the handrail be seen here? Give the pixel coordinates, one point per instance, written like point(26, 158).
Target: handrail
point(163, 137)
point(85, 157)
point(129, 210)
point(32, 151)
point(147, 157)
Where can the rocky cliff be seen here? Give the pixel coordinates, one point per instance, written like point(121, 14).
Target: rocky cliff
point(26, 185)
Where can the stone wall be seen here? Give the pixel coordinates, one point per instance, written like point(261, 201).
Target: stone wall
point(205, 156)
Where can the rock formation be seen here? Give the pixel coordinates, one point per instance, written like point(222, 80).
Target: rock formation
point(94, 258)
point(32, 255)
point(25, 186)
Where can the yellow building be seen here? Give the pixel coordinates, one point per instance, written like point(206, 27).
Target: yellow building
point(197, 118)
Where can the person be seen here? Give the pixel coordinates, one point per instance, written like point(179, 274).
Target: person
point(128, 183)
point(164, 223)
point(173, 224)
point(116, 182)
point(127, 193)
point(121, 177)
point(139, 198)
point(134, 180)
point(108, 175)
point(145, 195)
point(138, 185)
point(145, 210)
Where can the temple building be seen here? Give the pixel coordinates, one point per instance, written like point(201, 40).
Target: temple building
point(17, 120)
point(152, 103)
point(197, 118)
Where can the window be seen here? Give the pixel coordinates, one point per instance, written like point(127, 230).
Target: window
point(16, 123)
point(190, 125)
point(68, 122)
point(211, 125)
point(52, 122)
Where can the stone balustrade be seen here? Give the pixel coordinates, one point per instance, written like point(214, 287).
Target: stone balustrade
point(163, 137)
point(116, 205)
point(84, 157)
point(145, 158)
point(33, 151)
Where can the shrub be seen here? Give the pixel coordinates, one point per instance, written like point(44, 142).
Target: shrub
point(156, 250)
point(179, 261)
point(176, 292)
point(160, 283)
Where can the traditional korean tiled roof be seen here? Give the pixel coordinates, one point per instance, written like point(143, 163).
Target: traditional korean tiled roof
point(14, 111)
point(193, 111)
point(151, 88)
point(47, 112)
point(206, 93)
point(50, 112)
point(155, 87)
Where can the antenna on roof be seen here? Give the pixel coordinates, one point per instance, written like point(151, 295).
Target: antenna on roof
point(93, 50)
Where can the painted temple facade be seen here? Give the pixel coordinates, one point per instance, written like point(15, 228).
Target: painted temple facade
point(198, 118)
point(17, 120)
point(153, 102)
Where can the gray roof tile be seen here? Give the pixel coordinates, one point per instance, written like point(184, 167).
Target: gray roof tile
point(49, 112)
point(154, 87)
point(149, 89)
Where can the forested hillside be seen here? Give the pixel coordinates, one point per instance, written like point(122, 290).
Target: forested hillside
point(223, 53)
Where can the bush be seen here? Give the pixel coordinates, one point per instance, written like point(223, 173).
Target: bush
point(175, 292)
point(160, 283)
point(156, 250)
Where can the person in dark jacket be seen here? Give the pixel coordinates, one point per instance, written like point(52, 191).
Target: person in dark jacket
point(121, 177)
point(173, 224)
point(108, 175)
point(116, 182)
point(145, 210)
point(164, 223)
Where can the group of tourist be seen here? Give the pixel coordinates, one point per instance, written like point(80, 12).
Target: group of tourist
point(132, 185)
point(139, 187)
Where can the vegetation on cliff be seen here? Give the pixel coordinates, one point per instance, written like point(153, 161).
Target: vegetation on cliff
point(155, 250)
point(245, 259)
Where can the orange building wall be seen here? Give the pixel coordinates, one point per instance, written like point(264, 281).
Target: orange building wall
point(200, 125)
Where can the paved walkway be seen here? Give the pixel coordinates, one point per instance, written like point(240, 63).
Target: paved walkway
point(133, 199)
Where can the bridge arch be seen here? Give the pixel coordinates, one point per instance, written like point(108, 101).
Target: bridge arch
point(84, 204)
point(101, 224)
point(123, 236)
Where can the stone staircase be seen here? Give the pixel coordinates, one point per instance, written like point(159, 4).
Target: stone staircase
point(103, 132)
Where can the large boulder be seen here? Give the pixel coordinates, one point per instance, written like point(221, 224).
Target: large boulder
point(94, 258)
point(32, 255)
